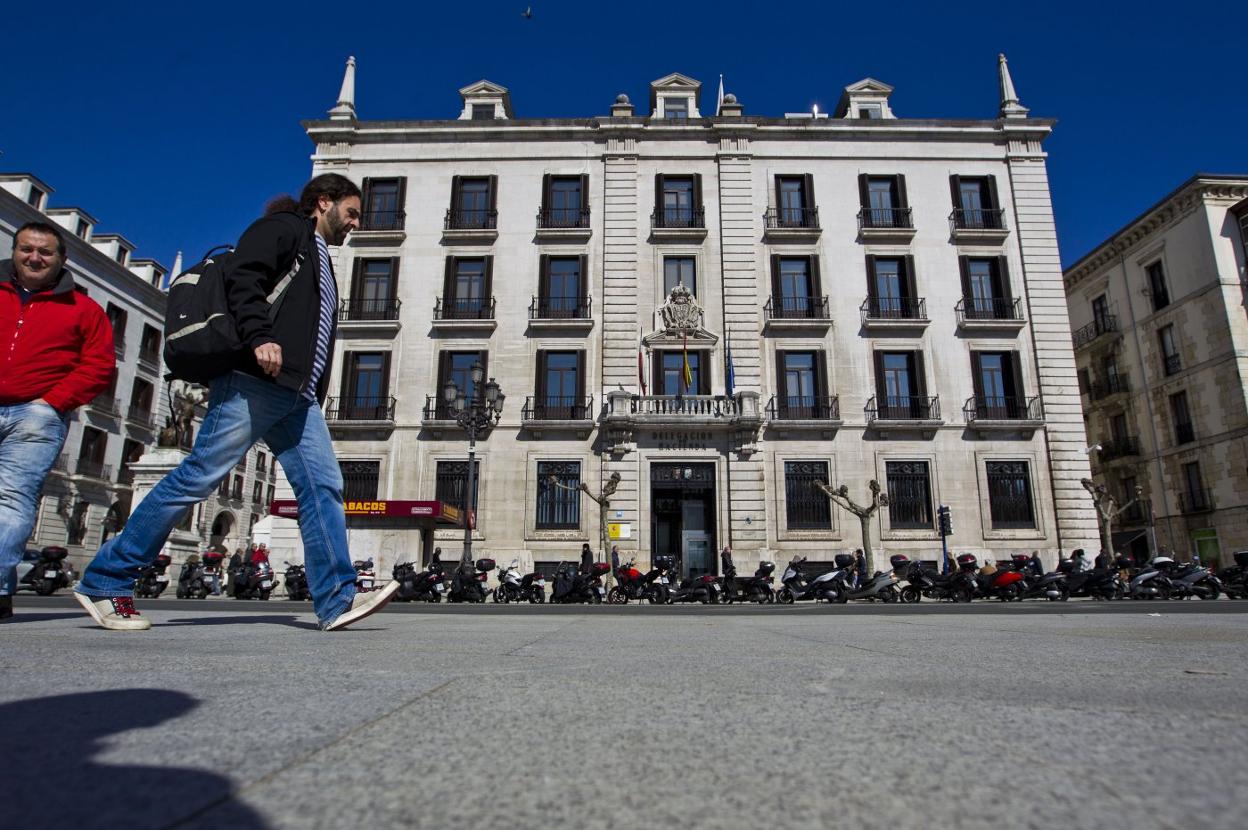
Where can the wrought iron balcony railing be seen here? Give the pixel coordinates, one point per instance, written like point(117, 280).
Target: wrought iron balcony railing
point(106, 403)
point(894, 308)
point(717, 406)
point(796, 308)
point(470, 308)
point(1001, 408)
point(1115, 385)
point(977, 219)
point(678, 218)
point(557, 218)
point(142, 416)
point(903, 408)
point(885, 218)
point(94, 469)
point(383, 220)
point(550, 408)
point(560, 308)
point(1106, 324)
point(470, 219)
point(804, 408)
point(794, 218)
point(1171, 363)
point(360, 409)
point(386, 309)
point(1123, 447)
point(1196, 501)
point(989, 308)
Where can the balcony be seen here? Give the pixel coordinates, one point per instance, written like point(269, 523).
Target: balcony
point(141, 416)
point(886, 224)
point(1184, 432)
point(369, 316)
point(1135, 514)
point(565, 313)
point(1116, 448)
point(905, 412)
point(360, 413)
point(711, 411)
point(150, 357)
point(563, 224)
point(894, 312)
point(800, 413)
point(989, 313)
point(992, 412)
point(467, 225)
point(678, 223)
point(466, 313)
point(98, 470)
point(1109, 388)
point(380, 227)
point(797, 313)
point(1196, 501)
point(978, 225)
point(1171, 364)
point(61, 464)
point(791, 224)
point(551, 414)
point(1103, 329)
point(107, 405)
point(236, 492)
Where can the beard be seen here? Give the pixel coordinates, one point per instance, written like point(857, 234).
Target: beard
point(337, 227)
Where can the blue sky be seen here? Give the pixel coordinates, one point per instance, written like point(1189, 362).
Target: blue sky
point(174, 124)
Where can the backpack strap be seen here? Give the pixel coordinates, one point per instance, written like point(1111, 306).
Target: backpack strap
point(278, 294)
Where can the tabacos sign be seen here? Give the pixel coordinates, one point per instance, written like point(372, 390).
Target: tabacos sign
point(366, 508)
point(289, 509)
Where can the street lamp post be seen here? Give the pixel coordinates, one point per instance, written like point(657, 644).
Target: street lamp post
point(476, 415)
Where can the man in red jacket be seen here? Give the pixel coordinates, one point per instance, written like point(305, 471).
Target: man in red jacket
point(56, 353)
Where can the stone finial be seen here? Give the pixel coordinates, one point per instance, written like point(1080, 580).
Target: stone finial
point(622, 108)
point(1010, 107)
point(175, 273)
point(730, 107)
point(345, 111)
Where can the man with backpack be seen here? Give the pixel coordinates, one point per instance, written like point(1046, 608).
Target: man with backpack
point(267, 378)
point(57, 354)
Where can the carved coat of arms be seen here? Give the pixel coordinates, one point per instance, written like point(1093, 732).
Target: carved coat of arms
point(681, 312)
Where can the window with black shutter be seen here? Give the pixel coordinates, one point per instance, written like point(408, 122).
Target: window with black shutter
point(558, 504)
point(909, 495)
point(365, 386)
point(806, 507)
point(1009, 495)
point(467, 289)
point(374, 290)
point(975, 202)
point(883, 201)
point(383, 204)
point(473, 203)
point(565, 201)
point(1158, 289)
point(678, 201)
point(560, 386)
point(562, 294)
point(456, 367)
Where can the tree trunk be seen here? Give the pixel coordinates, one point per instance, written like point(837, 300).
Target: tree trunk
point(1107, 536)
point(865, 521)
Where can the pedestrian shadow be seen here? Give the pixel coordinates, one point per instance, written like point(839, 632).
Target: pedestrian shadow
point(29, 618)
point(50, 744)
point(289, 620)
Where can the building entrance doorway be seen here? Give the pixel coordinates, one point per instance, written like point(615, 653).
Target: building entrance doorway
point(682, 516)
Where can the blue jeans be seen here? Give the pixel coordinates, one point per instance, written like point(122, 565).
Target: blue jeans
point(241, 411)
point(31, 436)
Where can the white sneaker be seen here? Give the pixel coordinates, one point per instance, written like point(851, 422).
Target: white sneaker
point(362, 606)
point(114, 613)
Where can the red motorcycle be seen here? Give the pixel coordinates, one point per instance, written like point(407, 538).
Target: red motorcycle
point(1005, 583)
point(631, 583)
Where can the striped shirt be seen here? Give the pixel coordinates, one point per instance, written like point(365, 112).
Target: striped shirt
point(325, 325)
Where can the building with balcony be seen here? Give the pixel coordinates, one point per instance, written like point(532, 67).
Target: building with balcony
point(87, 496)
point(1159, 326)
point(724, 309)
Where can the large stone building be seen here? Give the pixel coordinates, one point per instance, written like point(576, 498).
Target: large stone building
point(1160, 341)
point(88, 495)
point(855, 295)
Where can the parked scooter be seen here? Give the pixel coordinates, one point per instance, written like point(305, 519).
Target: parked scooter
point(365, 575)
point(756, 588)
point(1191, 580)
point(653, 586)
point(922, 583)
point(297, 583)
point(153, 580)
point(1234, 578)
point(882, 586)
point(470, 586)
point(191, 583)
point(428, 585)
point(704, 589)
point(828, 587)
point(1151, 581)
point(48, 573)
point(254, 580)
point(571, 586)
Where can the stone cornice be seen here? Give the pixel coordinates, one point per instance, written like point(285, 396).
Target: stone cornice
point(1180, 202)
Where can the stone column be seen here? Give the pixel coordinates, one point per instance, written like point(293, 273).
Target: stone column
point(151, 467)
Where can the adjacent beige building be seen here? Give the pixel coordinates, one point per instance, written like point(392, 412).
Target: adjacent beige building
point(1161, 341)
point(856, 295)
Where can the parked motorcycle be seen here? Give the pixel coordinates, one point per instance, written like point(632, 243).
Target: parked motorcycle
point(704, 589)
point(571, 586)
point(653, 586)
point(883, 586)
point(153, 580)
point(1191, 580)
point(213, 571)
point(827, 587)
point(365, 575)
point(756, 588)
point(191, 584)
point(1151, 582)
point(46, 573)
point(924, 583)
point(470, 587)
point(420, 586)
point(1234, 578)
point(254, 580)
point(512, 587)
point(1004, 583)
point(297, 583)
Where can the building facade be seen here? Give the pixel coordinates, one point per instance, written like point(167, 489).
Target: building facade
point(1160, 335)
point(87, 497)
point(723, 309)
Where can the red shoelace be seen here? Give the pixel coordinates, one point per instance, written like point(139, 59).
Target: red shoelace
point(124, 607)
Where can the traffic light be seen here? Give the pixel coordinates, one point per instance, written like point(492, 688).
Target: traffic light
point(946, 521)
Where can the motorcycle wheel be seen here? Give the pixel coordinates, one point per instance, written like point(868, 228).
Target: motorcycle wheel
point(539, 596)
point(1211, 592)
point(617, 597)
point(1063, 595)
point(498, 595)
point(784, 597)
point(1009, 593)
point(961, 594)
point(658, 595)
point(180, 594)
point(1163, 591)
point(911, 594)
point(594, 599)
point(264, 595)
point(889, 594)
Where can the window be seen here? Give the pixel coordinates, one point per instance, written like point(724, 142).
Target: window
point(795, 287)
point(82, 230)
point(986, 289)
point(149, 345)
point(678, 202)
point(803, 386)
point(122, 255)
point(900, 386)
point(1100, 313)
point(223, 489)
point(997, 377)
point(1085, 381)
point(558, 508)
point(261, 463)
point(909, 495)
point(1118, 427)
point(1195, 497)
point(466, 292)
point(131, 451)
point(560, 386)
point(562, 293)
point(236, 492)
point(565, 202)
point(670, 375)
point(271, 494)
point(359, 480)
point(482, 112)
point(141, 395)
point(365, 387)
point(457, 368)
point(1157, 285)
point(870, 111)
point(1184, 433)
point(374, 287)
point(452, 481)
point(473, 201)
point(383, 204)
point(891, 290)
point(975, 203)
point(91, 452)
point(35, 198)
point(675, 108)
point(117, 319)
point(795, 202)
point(679, 270)
point(257, 492)
point(1171, 362)
point(1009, 495)
point(805, 505)
point(883, 201)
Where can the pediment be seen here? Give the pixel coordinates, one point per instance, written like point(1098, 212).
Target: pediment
point(676, 81)
point(483, 87)
point(869, 85)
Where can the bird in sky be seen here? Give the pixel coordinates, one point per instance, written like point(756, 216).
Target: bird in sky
point(527, 14)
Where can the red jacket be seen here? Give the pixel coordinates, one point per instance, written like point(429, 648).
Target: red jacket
point(58, 347)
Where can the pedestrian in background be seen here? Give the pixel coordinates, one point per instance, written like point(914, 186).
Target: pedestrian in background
point(615, 558)
point(587, 559)
point(273, 392)
point(860, 568)
point(62, 359)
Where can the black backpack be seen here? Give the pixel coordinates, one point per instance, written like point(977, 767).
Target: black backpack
point(201, 335)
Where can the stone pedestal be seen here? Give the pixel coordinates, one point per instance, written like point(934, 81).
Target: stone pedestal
point(154, 465)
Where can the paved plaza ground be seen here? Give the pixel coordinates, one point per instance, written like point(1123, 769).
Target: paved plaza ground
point(244, 715)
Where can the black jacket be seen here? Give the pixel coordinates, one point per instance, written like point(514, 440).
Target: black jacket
point(266, 252)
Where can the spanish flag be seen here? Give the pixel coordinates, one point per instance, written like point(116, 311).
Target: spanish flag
point(688, 371)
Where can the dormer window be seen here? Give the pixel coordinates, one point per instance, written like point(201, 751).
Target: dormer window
point(866, 100)
point(83, 230)
point(485, 101)
point(870, 111)
point(675, 97)
point(676, 109)
point(122, 255)
point(482, 112)
point(35, 199)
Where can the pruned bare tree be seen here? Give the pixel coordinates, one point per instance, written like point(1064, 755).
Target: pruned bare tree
point(840, 497)
point(1108, 509)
